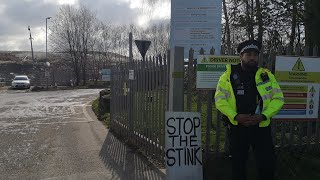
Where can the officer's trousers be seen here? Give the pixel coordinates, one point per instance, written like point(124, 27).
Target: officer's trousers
point(261, 141)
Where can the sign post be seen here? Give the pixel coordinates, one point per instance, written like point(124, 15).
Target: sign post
point(183, 129)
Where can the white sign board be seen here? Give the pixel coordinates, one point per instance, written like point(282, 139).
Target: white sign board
point(210, 68)
point(46, 73)
point(106, 74)
point(131, 74)
point(183, 145)
point(299, 79)
point(196, 24)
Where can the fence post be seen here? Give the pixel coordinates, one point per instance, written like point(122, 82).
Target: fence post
point(209, 110)
point(112, 98)
point(306, 51)
point(289, 50)
point(315, 50)
point(261, 61)
point(131, 92)
point(190, 80)
point(298, 50)
point(176, 73)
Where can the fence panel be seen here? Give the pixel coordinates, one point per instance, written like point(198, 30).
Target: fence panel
point(138, 106)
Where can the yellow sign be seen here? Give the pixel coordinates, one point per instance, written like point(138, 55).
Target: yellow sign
point(299, 77)
point(297, 69)
point(177, 75)
point(298, 66)
point(311, 102)
point(312, 90)
point(220, 59)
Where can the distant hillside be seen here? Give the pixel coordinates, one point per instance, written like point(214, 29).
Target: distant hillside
point(20, 62)
point(7, 57)
point(20, 56)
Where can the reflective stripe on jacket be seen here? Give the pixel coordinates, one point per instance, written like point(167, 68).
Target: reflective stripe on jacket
point(269, 91)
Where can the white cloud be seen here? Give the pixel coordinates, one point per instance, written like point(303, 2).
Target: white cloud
point(2, 8)
point(61, 2)
point(135, 4)
point(17, 15)
point(162, 11)
point(147, 12)
point(71, 2)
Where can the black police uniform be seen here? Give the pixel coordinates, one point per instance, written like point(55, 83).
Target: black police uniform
point(260, 139)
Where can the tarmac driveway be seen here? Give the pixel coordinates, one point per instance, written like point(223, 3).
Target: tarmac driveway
point(55, 135)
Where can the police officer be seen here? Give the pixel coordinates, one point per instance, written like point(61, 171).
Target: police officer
point(249, 96)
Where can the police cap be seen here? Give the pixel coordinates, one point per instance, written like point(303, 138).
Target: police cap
point(249, 45)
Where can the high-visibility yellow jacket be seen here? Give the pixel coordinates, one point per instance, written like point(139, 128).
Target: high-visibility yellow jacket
point(269, 91)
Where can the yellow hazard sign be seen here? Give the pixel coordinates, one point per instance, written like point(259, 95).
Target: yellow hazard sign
point(311, 102)
point(298, 66)
point(312, 90)
point(204, 60)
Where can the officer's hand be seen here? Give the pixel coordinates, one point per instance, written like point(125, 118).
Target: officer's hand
point(243, 119)
point(256, 118)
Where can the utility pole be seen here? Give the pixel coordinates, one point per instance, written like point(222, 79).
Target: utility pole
point(47, 70)
point(47, 37)
point(31, 43)
point(33, 66)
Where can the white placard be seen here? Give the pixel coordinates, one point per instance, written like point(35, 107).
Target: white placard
point(46, 73)
point(106, 74)
point(196, 24)
point(183, 145)
point(131, 74)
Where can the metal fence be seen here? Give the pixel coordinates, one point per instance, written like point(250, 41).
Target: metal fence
point(139, 102)
point(138, 107)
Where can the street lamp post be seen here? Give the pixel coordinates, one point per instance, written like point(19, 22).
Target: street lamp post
point(33, 66)
point(47, 36)
point(31, 43)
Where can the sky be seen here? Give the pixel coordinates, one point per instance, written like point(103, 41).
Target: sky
point(17, 15)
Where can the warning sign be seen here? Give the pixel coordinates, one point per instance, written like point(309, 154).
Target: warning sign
point(298, 66)
point(311, 102)
point(299, 79)
point(312, 90)
point(297, 69)
point(210, 68)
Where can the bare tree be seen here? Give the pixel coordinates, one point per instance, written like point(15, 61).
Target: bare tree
point(259, 20)
point(227, 26)
point(72, 31)
point(88, 30)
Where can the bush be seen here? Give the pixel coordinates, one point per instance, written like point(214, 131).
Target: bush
point(101, 107)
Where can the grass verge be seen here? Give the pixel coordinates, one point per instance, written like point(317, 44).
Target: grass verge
point(102, 116)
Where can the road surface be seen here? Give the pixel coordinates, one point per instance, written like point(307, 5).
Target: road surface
point(54, 135)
